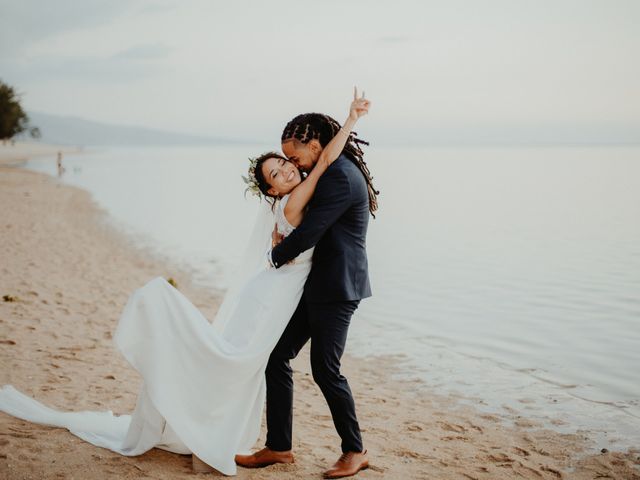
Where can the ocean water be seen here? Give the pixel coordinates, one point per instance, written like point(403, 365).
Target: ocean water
point(508, 277)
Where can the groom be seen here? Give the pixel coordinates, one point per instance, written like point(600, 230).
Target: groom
point(336, 224)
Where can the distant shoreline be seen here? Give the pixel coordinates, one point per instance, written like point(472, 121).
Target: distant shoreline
point(20, 152)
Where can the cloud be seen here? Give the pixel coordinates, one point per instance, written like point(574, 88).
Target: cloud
point(393, 39)
point(143, 52)
point(26, 22)
point(85, 71)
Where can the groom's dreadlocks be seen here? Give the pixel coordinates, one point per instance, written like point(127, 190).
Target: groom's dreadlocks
point(323, 128)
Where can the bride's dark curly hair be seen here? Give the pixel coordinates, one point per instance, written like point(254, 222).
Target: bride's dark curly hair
point(323, 128)
point(263, 185)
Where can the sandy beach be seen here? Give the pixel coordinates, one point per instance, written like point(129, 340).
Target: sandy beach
point(66, 275)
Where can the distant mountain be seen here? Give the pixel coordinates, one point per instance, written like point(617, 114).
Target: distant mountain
point(64, 130)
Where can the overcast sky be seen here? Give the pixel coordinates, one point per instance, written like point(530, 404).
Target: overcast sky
point(474, 70)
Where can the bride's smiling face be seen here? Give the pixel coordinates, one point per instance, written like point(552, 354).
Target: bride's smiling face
point(281, 175)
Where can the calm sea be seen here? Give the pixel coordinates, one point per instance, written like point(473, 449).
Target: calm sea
point(509, 277)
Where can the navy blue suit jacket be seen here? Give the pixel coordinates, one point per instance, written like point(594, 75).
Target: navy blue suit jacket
point(336, 224)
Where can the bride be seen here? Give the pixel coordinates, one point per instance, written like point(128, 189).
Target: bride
point(203, 388)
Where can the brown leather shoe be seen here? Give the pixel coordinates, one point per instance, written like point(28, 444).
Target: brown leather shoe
point(348, 464)
point(264, 458)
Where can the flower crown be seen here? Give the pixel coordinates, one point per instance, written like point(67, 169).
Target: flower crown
point(250, 180)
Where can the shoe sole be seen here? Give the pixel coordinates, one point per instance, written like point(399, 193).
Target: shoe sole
point(349, 475)
point(262, 465)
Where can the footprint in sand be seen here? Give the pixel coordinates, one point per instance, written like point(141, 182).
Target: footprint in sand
point(451, 427)
point(470, 477)
point(451, 438)
point(411, 454)
point(521, 467)
point(18, 434)
point(521, 451)
point(526, 423)
point(541, 451)
point(475, 427)
point(553, 471)
point(500, 458)
point(377, 469)
point(558, 422)
point(414, 428)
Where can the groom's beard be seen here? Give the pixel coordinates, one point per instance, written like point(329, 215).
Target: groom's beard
point(308, 169)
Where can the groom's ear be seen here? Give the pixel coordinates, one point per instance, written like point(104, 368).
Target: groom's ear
point(315, 146)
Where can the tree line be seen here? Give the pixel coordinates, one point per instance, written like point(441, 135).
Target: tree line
point(13, 119)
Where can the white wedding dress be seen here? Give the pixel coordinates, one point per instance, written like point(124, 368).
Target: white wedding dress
point(203, 387)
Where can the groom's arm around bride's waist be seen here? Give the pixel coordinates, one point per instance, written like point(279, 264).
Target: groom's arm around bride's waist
point(331, 199)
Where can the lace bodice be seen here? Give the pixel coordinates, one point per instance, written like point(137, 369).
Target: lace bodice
point(284, 227)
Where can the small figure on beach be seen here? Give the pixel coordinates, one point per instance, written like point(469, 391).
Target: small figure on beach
point(59, 166)
point(205, 385)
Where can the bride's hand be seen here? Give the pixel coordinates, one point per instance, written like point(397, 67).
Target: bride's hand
point(359, 106)
point(276, 237)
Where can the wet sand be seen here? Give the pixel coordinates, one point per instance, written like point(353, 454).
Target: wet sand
point(65, 276)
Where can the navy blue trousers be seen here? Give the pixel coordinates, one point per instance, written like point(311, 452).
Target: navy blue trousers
point(326, 324)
